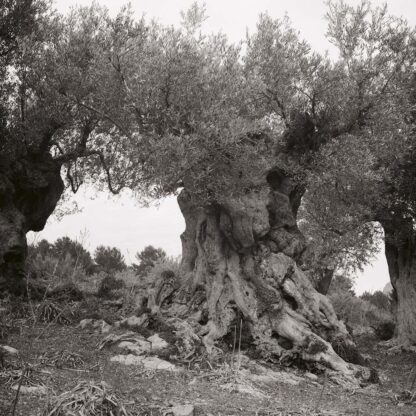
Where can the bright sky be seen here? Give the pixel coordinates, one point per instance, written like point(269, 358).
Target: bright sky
point(121, 222)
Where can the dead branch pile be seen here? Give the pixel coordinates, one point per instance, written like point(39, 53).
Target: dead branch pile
point(87, 399)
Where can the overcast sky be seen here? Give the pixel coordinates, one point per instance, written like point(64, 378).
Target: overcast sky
point(121, 222)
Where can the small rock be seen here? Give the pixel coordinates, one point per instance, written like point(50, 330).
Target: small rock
point(9, 350)
point(151, 363)
point(99, 324)
point(268, 376)
point(157, 342)
point(182, 410)
point(128, 359)
point(105, 328)
point(243, 388)
point(85, 322)
point(136, 347)
point(155, 363)
point(115, 303)
point(134, 321)
point(311, 376)
point(30, 389)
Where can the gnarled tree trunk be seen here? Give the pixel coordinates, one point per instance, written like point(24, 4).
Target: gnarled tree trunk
point(30, 188)
point(239, 259)
point(400, 248)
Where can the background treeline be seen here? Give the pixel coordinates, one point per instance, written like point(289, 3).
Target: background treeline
point(68, 262)
point(67, 266)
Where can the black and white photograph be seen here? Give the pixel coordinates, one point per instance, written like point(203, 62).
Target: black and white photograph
point(208, 208)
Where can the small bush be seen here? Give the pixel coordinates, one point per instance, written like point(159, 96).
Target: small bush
point(90, 285)
point(49, 311)
point(385, 330)
point(358, 312)
point(54, 271)
point(66, 292)
point(87, 399)
point(108, 285)
point(169, 267)
point(129, 277)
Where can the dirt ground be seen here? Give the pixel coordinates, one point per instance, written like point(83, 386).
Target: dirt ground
point(61, 356)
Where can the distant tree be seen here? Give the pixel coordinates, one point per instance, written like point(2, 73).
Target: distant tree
point(378, 298)
point(342, 284)
point(147, 259)
point(42, 249)
point(109, 259)
point(65, 246)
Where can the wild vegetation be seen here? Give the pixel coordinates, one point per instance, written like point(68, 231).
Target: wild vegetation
point(288, 167)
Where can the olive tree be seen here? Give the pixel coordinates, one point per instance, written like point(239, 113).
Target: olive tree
point(62, 114)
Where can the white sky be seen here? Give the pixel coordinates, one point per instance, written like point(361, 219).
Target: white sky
point(121, 222)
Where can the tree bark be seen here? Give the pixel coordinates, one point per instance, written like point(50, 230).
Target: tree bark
point(239, 262)
point(30, 188)
point(400, 249)
point(324, 280)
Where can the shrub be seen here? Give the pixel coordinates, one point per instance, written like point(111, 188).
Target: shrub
point(129, 277)
point(358, 312)
point(385, 330)
point(48, 311)
point(66, 292)
point(108, 285)
point(167, 266)
point(54, 270)
point(90, 285)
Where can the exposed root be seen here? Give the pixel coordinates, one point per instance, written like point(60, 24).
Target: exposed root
point(236, 264)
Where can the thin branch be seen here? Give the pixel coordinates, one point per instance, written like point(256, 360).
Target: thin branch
point(103, 115)
point(81, 146)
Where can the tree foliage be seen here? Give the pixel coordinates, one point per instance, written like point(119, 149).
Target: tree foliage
point(109, 259)
point(379, 299)
point(361, 177)
point(156, 108)
point(63, 248)
point(147, 259)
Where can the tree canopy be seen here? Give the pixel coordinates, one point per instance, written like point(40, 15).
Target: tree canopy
point(109, 259)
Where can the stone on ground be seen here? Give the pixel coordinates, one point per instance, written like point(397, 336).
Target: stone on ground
point(30, 389)
point(157, 342)
point(150, 363)
point(99, 324)
point(182, 410)
point(9, 350)
point(137, 347)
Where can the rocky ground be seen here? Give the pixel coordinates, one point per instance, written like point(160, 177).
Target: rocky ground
point(117, 369)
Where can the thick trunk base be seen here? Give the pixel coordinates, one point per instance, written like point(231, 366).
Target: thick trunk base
point(400, 246)
point(239, 262)
point(29, 191)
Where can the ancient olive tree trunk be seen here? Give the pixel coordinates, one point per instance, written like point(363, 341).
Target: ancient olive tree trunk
point(240, 262)
point(400, 248)
point(30, 188)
